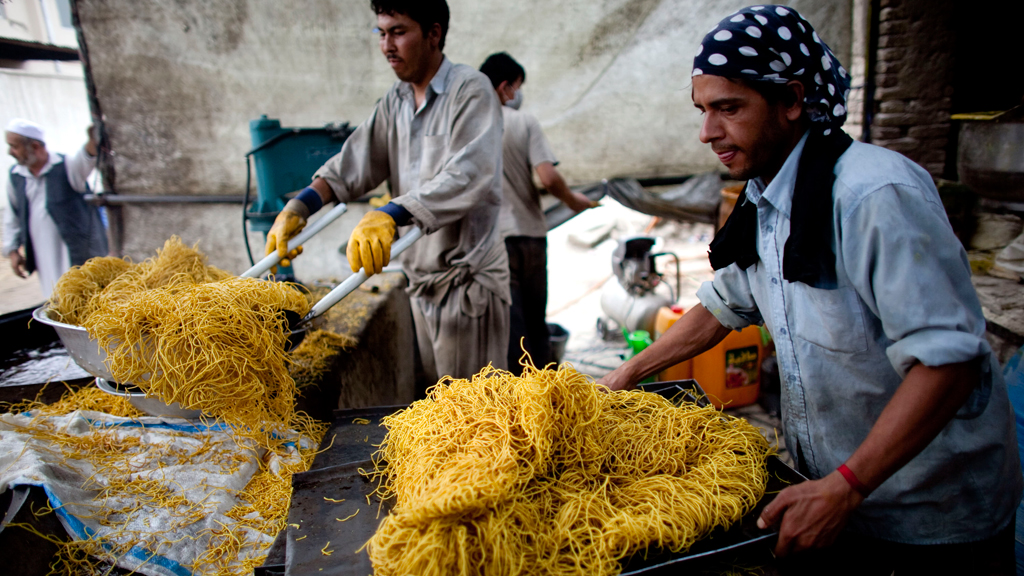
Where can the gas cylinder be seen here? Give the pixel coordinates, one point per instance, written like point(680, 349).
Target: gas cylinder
point(631, 311)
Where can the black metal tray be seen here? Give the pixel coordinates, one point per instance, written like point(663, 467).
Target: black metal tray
point(743, 534)
point(740, 535)
point(313, 520)
point(318, 541)
point(346, 441)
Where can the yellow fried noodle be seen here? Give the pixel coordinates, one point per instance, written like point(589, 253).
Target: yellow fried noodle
point(546, 474)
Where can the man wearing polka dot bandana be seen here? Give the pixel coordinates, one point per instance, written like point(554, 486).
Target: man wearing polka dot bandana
point(893, 404)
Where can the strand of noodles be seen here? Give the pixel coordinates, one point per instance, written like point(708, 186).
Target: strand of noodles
point(74, 294)
point(314, 356)
point(83, 289)
point(188, 332)
point(123, 465)
point(174, 264)
point(546, 474)
point(218, 347)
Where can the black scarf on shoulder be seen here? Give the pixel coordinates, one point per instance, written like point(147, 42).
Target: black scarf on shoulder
point(808, 255)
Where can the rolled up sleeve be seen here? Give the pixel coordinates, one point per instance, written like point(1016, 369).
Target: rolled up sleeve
point(912, 272)
point(79, 166)
point(729, 298)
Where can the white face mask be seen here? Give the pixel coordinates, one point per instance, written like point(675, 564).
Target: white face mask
point(516, 100)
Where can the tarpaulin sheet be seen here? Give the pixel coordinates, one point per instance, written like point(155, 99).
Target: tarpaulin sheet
point(153, 493)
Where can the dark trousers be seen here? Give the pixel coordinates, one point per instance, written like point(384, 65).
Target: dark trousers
point(862, 556)
point(528, 268)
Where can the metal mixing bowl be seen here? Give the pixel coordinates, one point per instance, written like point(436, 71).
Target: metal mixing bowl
point(91, 357)
point(150, 405)
point(85, 351)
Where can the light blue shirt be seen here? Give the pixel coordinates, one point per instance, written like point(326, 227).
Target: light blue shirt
point(904, 296)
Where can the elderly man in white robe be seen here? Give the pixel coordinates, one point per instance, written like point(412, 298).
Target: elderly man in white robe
point(48, 226)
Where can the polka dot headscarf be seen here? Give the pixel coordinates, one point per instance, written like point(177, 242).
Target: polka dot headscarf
point(775, 44)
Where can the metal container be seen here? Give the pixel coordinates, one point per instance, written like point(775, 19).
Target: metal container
point(990, 159)
point(150, 404)
point(85, 351)
point(629, 310)
point(91, 357)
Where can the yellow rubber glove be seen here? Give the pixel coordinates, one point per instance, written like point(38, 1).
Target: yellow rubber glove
point(378, 201)
point(285, 227)
point(291, 256)
point(369, 247)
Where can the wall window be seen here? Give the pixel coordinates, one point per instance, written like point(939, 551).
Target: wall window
point(64, 9)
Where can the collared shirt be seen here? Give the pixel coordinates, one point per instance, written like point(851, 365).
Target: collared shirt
point(524, 147)
point(904, 296)
point(52, 256)
point(443, 162)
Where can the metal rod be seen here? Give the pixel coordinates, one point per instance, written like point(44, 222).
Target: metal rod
point(353, 281)
point(120, 199)
point(679, 276)
point(271, 260)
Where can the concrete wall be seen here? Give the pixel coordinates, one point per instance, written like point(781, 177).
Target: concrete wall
point(178, 81)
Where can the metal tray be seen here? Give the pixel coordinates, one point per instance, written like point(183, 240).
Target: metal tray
point(314, 526)
point(315, 518)
point(741, 535)
point(351, 442)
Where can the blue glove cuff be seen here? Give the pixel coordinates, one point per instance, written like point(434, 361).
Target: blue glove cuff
point(311, 198)
point(400, 215)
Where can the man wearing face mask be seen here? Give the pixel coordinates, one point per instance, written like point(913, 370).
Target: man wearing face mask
point(436, 138)
point(525, 150)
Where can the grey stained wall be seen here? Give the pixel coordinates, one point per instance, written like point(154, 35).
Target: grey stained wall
point(179, 80)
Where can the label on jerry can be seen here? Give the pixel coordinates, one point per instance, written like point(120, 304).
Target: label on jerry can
point(741, 367)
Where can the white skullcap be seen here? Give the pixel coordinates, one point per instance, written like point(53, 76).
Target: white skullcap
point(26, 128)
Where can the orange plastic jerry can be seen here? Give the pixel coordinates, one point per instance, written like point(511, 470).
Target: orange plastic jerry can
point(730, 373)
point(666, 317)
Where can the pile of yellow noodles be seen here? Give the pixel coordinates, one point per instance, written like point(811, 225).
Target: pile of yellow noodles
point(74, 296)
point(546, 474)
point(100, 281)
point(187, 332)
point(84, 398)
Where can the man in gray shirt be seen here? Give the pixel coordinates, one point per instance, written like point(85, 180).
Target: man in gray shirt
point(525, 150)
point(436, 138)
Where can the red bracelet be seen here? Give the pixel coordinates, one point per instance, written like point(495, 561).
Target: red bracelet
point(855, 482)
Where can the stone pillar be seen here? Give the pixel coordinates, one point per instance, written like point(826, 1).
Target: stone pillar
point(914, 80)
point(859, 23)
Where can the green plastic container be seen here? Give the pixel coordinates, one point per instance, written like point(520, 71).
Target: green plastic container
point(285, 160)
point(638, 340)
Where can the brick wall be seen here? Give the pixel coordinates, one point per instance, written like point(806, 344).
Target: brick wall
point(914, 80)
